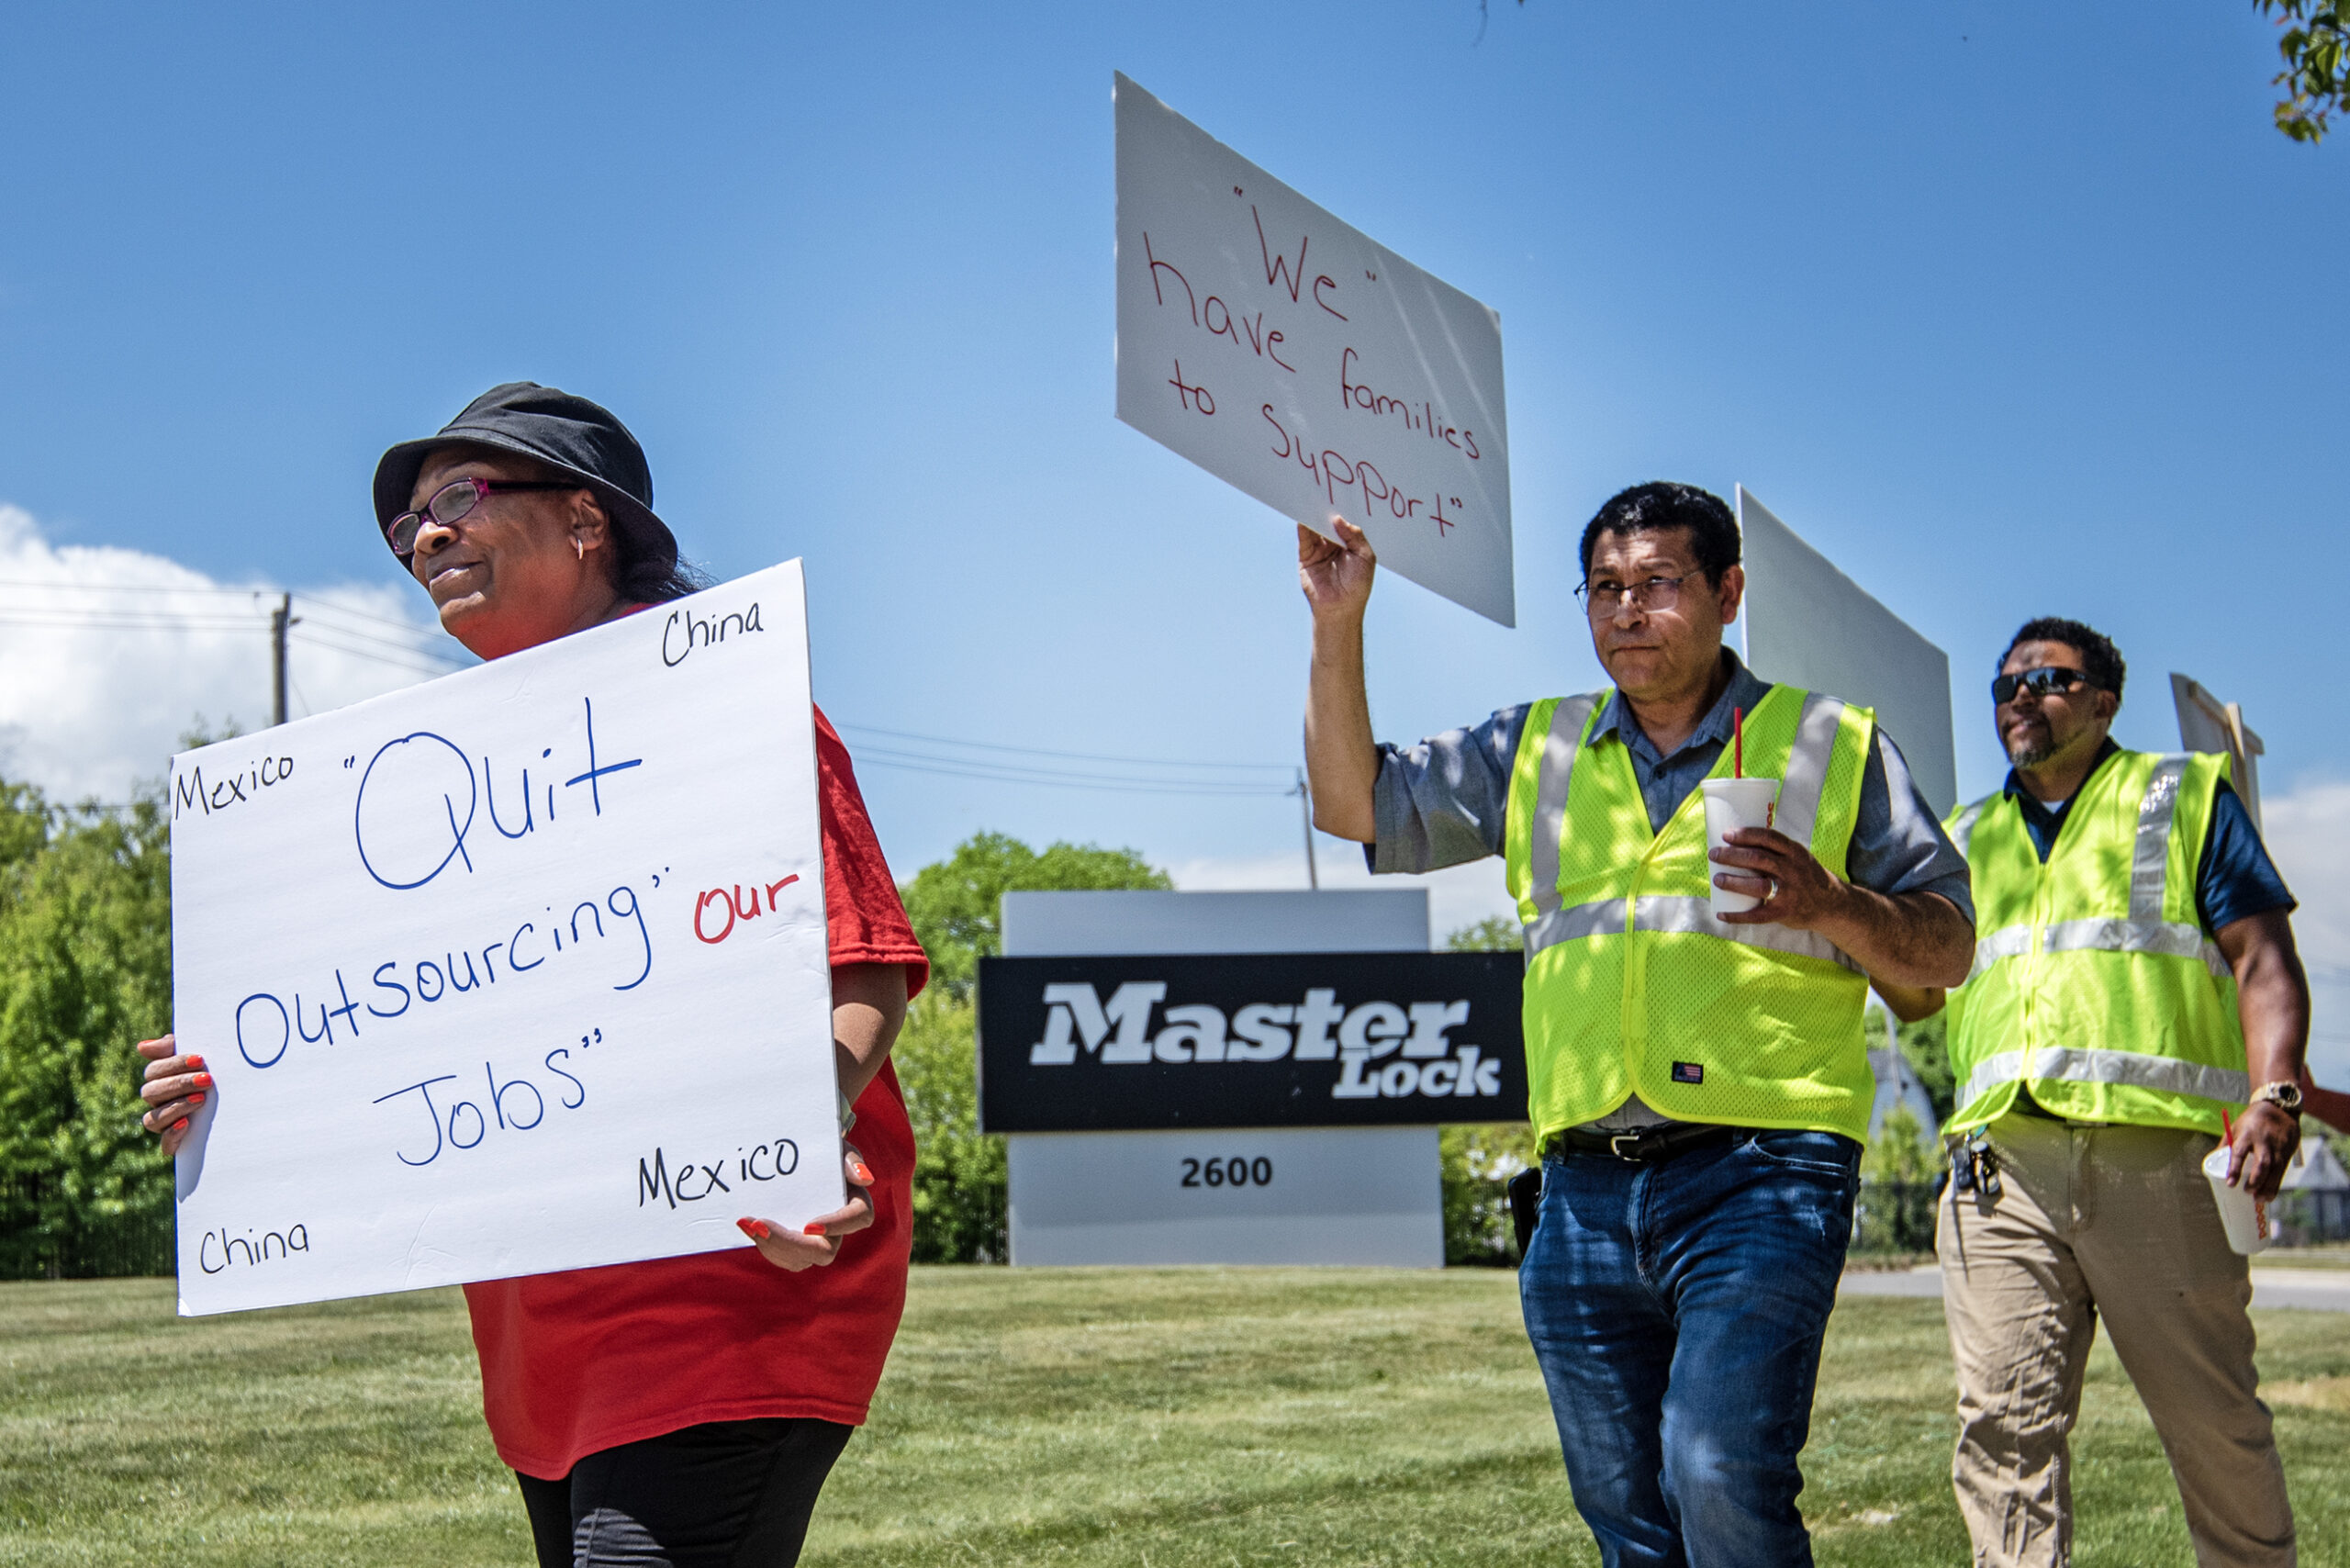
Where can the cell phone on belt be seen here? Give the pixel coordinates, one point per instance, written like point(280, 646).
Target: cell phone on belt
point(1525, 1205)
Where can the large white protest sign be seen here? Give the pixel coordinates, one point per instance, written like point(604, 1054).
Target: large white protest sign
point(1303, 362)
point(1807, 624)
point(519, 970)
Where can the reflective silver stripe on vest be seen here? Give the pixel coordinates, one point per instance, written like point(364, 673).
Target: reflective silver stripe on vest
point(1680, 917)
point(2150, 865)
point(1993, 1072)
point(1814, 747)
point(1602, 918)
point(1694, 917)
point(2109, 934)
point(2072, 1065)
point(2161, 938)
point(1962, 832)
point(1558, 767)
point(2009, 942)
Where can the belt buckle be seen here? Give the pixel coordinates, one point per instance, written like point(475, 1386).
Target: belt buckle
point(1617, 1141)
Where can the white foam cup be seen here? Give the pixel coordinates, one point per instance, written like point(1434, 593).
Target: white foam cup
point(2244, 1216)
point(1732, 804)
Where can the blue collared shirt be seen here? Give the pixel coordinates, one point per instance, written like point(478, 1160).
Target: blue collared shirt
point(1445, 800)
point(2237, 879)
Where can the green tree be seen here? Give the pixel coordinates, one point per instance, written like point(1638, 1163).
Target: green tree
point(2314, 43)
point(84, 970)
point(1491, 935)
point(1898, 1151)
point(1927, 1045)
point(961, 1214)
point(961, 1201)
point(956, 904)
point(1478, 1158)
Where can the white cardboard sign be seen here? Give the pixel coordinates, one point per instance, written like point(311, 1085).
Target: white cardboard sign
point(1807, 624)
point(1300, 360)
point(518, 970)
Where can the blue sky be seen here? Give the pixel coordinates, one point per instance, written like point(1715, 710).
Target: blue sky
point(2010, 308)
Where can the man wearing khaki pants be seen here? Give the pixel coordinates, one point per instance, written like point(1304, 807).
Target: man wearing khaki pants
point(2135, 975)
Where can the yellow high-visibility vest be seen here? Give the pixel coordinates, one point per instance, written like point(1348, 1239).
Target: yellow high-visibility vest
point(1632, 985)
point(2093, 981)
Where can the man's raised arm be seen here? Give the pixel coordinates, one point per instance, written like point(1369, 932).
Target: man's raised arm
point(1341, 758)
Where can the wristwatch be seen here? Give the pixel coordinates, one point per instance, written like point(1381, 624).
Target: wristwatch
point(2284, 1096)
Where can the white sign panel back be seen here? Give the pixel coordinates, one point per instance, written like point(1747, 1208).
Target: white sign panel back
point(2206, 723)
point(522, 970)
point(1807, 624)
point(1300, 360)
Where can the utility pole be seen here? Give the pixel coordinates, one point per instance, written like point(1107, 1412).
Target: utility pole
point(280, 620)
point(1305, 808)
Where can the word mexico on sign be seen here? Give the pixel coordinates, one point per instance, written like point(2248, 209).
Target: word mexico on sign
point(1250, 1040)
point(1298, 359)
point(518, 970)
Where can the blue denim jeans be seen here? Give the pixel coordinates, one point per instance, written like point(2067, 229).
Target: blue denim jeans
point(1676, 1309)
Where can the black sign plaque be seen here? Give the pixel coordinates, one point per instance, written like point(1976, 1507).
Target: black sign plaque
point(1250, 1040)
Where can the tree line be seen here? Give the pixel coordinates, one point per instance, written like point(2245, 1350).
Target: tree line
point(85, 970)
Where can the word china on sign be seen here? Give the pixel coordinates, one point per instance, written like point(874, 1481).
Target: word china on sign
point(522, 970)
point(1298, 359)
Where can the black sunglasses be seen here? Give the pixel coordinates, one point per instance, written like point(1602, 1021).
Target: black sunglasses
point(2046, 681)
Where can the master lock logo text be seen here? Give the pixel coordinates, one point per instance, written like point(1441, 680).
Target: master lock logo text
point(1384, 1050)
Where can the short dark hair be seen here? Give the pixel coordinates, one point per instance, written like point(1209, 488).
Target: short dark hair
point(1662, 504)
point(2100, 660)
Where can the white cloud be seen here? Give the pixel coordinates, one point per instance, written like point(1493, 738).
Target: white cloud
point(2308, 835)
point(107, 656)
point(1457, 896)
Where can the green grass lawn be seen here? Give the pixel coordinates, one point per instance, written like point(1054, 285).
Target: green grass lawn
point(1129, 1417)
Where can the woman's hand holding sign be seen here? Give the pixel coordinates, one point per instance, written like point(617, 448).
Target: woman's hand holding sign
point(175, 1086)
point(820, 1241)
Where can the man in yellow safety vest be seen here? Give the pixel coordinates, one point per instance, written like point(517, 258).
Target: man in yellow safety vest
point(2134, 979)
point(1698, 1082)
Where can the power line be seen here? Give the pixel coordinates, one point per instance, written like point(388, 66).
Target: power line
point(404, 659)
point(313, 605)
point(209, 619)
point(134, 587)
point(878, 759)
point(409, 648)
point(1071, 756)
point(128, 620)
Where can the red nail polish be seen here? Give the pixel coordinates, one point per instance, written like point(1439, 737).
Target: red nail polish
point(812, 1230)
point(196, 1099)
point(196, 1063)
point(178, 1124)
point(756, 1229)
point(863, 1172)
point(203, 1081)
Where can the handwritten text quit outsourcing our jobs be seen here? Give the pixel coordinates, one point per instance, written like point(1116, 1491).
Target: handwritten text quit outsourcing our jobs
point(1327, 470)
point(404, 848)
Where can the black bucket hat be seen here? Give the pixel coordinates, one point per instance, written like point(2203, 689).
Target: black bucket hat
point(571, 435)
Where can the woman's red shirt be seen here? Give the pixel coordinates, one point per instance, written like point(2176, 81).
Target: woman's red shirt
point(593, 1358)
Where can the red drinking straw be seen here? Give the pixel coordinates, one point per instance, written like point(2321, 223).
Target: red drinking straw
point(2227, 1133)
point(1738, 742)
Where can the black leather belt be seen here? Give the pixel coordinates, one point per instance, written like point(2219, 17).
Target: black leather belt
point(1640, 1146)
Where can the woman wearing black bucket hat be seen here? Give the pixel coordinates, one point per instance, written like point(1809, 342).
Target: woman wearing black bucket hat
point(685, 1411)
